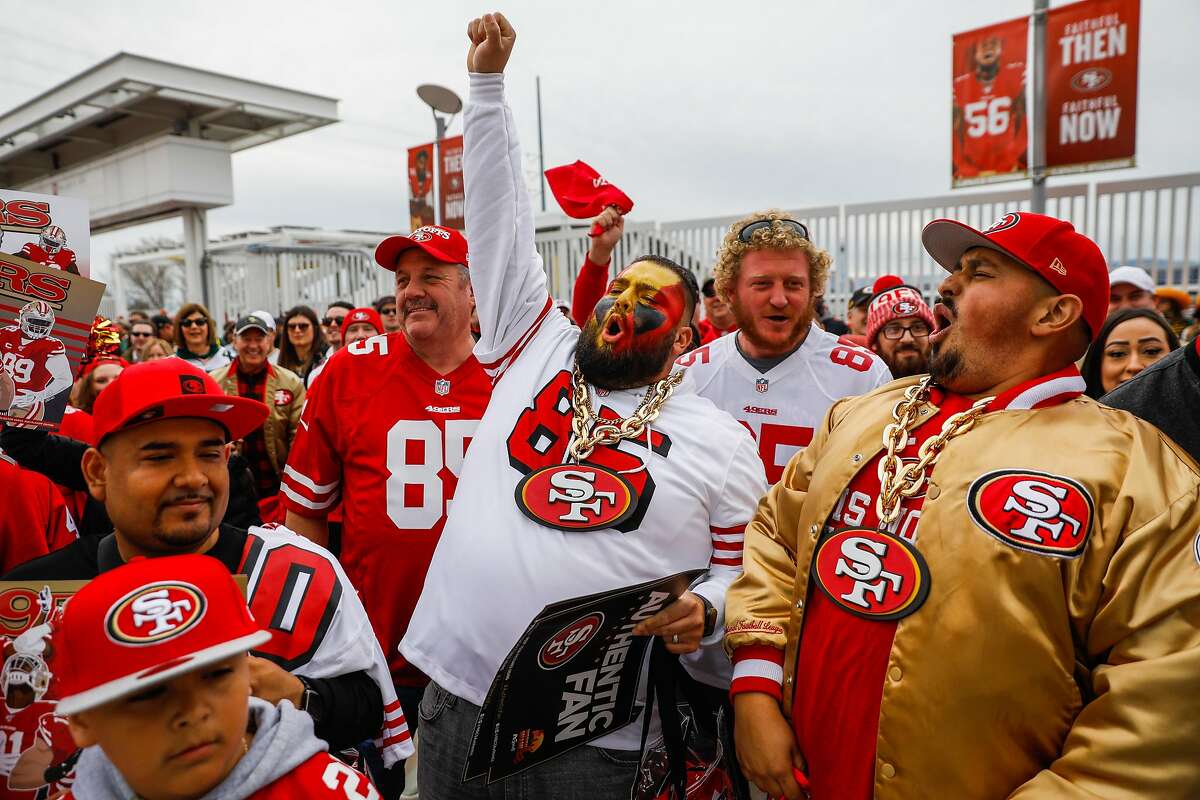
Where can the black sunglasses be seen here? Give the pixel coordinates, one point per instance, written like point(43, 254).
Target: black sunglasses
point(745, 234)
point(136, 335)
point(190, 323)
point(327, 321)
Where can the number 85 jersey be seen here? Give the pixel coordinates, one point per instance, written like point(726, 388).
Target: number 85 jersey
point(784, 405)
point(385, 434)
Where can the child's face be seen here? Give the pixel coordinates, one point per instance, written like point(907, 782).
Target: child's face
point(177, 740)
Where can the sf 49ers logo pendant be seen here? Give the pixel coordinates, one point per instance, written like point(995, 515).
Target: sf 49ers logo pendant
point(872, 574)
point(576, 497)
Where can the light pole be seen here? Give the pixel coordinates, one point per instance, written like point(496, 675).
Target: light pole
point(439, 99)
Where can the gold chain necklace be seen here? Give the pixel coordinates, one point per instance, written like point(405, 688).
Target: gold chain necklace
point(590, 433)
point(897, 480)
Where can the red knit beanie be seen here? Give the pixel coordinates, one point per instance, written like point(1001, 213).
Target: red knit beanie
point(896, 303)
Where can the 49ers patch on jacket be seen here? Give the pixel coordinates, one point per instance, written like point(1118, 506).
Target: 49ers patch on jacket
point(1050, 515)
point(872, 574)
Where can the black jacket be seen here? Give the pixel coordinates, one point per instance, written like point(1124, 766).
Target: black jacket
point(351, 705)
point(1167, 395)
point(60, 459)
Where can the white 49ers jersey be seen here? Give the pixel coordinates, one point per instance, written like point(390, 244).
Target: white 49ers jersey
point(693, 478)
point(783, 406)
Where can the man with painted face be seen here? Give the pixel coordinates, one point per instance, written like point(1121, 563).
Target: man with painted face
point(780, 372)
point(978, 583)
point(692, 473)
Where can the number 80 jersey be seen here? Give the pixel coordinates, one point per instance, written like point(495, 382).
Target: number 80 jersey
point(783, 406)
point(386, 435)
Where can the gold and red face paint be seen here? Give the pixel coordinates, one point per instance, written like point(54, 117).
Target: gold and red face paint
point(644, 304)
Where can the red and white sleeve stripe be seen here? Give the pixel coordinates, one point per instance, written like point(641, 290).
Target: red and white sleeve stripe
point(758, 668)
point(395, 732)
point(310, 497)
point(496, 368)
point(727, 547)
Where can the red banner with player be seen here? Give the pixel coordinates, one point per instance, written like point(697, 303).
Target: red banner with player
point(1091, 85)
point(989, 133)
point(451, 196)
point(420, 186)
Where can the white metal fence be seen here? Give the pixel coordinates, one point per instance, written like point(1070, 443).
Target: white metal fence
point(1154, 223)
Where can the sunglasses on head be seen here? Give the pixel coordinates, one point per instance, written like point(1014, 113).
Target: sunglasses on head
point(748, 231)
point(191, 323)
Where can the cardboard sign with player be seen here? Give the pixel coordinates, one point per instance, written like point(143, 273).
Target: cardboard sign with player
point(36, 742)
point(572, 677)
point(45, 318)
point(46, 229)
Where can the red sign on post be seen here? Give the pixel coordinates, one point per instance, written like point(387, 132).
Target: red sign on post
point(420, 186)
point(450, 182)
point(989, 133)
point(1091, 85)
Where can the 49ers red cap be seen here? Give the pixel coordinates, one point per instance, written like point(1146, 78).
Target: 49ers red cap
point(445, 244)
point(1068, 260)
point(170, 388)
point(145, 623)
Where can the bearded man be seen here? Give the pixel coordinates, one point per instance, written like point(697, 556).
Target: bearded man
point(693, 471)
point(780, 372)
point(898, 326)
point(979, 583)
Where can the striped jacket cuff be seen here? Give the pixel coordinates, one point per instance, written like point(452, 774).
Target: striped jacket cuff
point(758, 668)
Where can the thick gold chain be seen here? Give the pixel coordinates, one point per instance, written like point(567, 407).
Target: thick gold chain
point(898, 480)
point(589, 433)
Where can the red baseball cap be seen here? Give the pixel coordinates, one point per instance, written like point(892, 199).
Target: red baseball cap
point(445, 244)
point(1065, 258)
point(169, 388)
point(367, 315)
point(145, 623)
point(582, 192)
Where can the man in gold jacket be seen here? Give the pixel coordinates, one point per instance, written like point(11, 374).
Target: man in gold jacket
point(979, 584)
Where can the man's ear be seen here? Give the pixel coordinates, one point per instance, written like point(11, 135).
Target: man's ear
point(95, 472)
point(683, 340)
point(81, 732)
point(1056, 314)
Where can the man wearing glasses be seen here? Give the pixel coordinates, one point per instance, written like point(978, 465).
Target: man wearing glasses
point(898, 326)
point(140, 332)
point(780, 372)
point(332, 322)
point(386, 306)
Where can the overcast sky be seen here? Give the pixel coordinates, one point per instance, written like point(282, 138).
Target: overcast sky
point(695, 108)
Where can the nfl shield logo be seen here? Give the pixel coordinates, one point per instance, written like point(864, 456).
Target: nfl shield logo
point(442, 387)
point(760, 385)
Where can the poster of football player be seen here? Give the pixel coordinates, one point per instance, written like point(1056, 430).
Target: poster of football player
point(46, 229)
point(45, 318)
point(451, 193)
point(37, 753)
point(420, 186)
point(572, 677)
point(989, 135)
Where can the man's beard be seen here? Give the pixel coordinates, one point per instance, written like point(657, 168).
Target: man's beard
point(945, 364)
point(607, 370)
point(748, 327)
point(907, 362)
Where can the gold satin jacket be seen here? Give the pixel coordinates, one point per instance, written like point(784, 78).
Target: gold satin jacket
point(1023, 675)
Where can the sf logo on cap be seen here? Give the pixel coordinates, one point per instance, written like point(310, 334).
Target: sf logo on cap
point(154, 612)
point(576, 497)
point(427, 232)
point(191, 384)
point(1009, 220)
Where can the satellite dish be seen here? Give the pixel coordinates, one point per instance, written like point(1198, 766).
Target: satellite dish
point(439, 98)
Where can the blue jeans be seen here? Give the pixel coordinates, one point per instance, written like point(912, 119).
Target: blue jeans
point(447, 724)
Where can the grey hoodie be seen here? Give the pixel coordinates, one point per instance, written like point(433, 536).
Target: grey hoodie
point(284, 740)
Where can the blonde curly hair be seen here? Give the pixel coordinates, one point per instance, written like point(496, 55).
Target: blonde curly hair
point(777, 237)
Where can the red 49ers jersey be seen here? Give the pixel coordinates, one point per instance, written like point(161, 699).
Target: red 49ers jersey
point(386, 434)
point(63, 259)
point(993, 135)
point(320, 776)
point(19, 730)
point(783, 406)
point(26, 359)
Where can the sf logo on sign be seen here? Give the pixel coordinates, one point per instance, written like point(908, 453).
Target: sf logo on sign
point(576, 497)
point(871, 574)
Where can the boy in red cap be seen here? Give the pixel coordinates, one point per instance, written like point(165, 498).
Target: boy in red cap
point(156, 680)
point(977, 583)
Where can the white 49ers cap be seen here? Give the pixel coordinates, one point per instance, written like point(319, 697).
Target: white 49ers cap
point(145, 623)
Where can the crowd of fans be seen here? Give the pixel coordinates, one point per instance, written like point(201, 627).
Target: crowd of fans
point(358, 467)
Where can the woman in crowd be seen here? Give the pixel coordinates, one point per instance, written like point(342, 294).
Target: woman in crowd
point(94, 377)
point(155, 349)
point(303, 346)
point(1130, 340)
point(196, 338)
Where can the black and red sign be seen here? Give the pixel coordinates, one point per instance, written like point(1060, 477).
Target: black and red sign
point(871, 574)
point(1050, 515)
point(571, 678)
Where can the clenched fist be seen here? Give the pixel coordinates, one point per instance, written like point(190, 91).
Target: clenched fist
point(492, 40)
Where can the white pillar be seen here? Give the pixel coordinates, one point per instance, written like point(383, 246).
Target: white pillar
point(118, 291)
point(195, 241)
